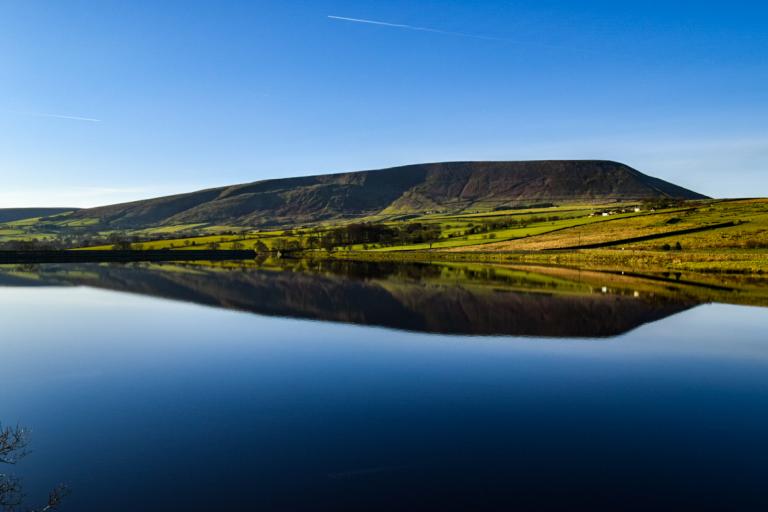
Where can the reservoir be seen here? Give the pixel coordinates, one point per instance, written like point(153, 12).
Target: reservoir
point(365, 386)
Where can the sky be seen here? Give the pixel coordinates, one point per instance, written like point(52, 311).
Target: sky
point(103, 102)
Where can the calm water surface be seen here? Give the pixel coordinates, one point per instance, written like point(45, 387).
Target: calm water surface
point(382, 390)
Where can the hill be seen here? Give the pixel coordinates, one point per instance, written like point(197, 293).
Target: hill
point(451, 186)
point(14, 214)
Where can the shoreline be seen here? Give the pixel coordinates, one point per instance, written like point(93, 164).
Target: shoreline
point(725, 262)
point(733, 261)
point(99, 256)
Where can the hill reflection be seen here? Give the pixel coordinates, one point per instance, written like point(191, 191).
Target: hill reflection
point(436, 298)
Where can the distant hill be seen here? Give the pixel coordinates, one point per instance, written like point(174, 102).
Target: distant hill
point(450, 186)
point(12, 214)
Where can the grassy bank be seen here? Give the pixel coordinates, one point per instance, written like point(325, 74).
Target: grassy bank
point(722, 261)
point(707, 236)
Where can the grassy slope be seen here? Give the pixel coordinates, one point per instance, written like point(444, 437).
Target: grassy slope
point(17, 214)
point(740, 248)
point(752, 214)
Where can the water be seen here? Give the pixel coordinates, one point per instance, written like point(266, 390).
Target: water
point(370, 387)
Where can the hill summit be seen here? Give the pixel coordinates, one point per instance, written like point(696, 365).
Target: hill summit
point(448, 186)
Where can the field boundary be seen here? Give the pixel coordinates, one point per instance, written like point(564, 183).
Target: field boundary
point(645, 238)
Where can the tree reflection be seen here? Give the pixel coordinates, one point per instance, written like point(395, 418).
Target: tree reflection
point(13, 447)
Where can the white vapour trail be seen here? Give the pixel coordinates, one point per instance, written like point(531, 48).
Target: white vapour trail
point(412, 27)
point(74, 118)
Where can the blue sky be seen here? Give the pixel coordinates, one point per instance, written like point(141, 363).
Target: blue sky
point(109, 101)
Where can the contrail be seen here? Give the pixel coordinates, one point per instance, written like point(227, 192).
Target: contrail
point(420, 29)
point(61, 116)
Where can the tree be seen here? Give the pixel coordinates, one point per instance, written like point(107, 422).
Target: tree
point(13, 446)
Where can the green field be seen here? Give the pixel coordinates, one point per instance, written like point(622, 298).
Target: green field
point(631, 234)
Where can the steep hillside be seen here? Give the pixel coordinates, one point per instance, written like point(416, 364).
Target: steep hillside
point(14, 214)
point(453, 186)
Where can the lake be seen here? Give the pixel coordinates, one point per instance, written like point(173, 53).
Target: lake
point(362, 386)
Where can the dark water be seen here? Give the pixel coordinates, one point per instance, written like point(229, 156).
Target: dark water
point(369, 387)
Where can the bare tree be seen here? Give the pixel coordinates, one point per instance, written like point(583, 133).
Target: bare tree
point(13, 446)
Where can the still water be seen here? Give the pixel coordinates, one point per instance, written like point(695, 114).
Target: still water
point(374, 387)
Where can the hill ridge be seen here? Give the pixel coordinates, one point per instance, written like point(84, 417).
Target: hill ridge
point(413, 188)
point(16, 214)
